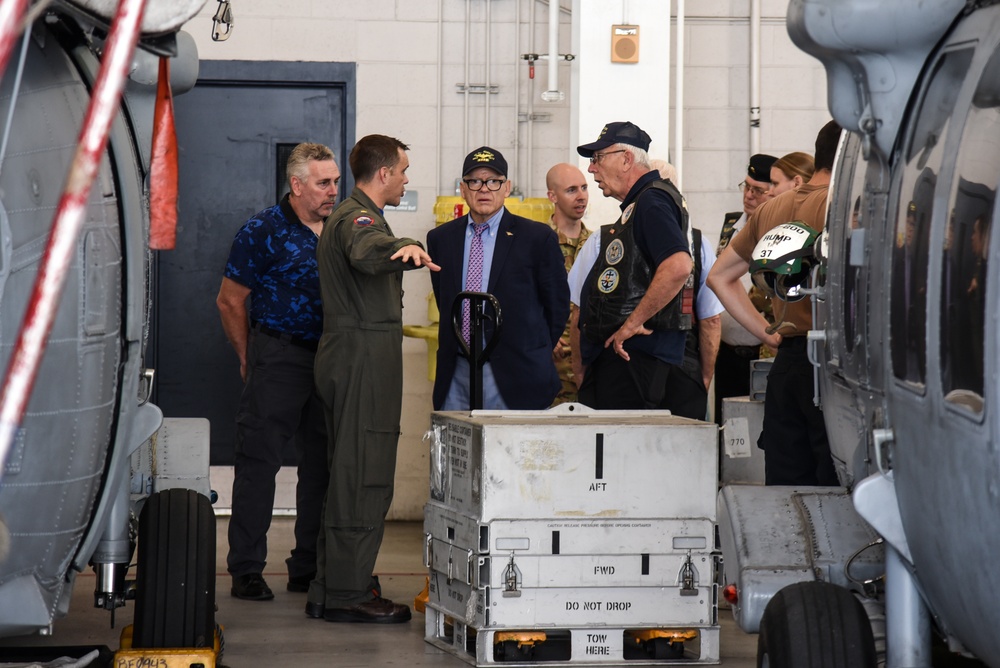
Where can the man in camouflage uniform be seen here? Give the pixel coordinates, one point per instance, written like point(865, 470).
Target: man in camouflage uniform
point(567, 190)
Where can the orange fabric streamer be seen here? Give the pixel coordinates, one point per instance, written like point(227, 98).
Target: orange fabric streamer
point(163, 167)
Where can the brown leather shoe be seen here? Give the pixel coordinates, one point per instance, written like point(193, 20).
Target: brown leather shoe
point(377, 611)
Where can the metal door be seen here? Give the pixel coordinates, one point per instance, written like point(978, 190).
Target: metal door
point(234, 131)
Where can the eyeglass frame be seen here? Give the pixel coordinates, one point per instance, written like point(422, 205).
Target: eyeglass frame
point(484, 182)
point(756, 190)
point(595, 157)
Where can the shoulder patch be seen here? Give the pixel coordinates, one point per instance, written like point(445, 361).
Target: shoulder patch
point(363, 220)
point(628, 212)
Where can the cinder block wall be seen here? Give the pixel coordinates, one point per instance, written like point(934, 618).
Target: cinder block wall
point(411, 56)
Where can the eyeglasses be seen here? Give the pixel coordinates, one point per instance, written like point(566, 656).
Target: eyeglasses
point(477, 184)
point(596, 158)
point(756, 191)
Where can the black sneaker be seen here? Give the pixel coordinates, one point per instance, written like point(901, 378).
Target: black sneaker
point(300, 583)
point(251, 587)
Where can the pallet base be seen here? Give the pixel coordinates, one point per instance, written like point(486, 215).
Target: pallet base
point(594, 646)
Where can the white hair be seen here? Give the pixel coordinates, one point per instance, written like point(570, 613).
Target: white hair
point(641, 157)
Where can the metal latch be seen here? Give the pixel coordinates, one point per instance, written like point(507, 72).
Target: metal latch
point(688, 580)
point(428, 542)
point(511, 579)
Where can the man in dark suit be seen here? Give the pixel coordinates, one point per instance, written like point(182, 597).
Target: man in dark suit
point(516, 260)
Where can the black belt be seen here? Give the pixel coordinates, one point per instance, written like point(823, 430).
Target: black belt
point(308, 344)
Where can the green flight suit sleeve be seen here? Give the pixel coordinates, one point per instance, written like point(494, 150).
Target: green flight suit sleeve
point(369, 245)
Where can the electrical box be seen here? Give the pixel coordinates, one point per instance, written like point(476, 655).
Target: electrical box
point(624, 44)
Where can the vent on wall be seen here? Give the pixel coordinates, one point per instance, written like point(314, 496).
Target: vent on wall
point(624, 44)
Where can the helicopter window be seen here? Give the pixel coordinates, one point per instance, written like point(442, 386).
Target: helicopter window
point(908, 306)
point(965, 248)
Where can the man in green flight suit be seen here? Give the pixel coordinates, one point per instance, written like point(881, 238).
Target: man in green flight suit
point(358, 371)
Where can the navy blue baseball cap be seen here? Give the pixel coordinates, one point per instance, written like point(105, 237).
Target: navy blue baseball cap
point(759, 167)
point(620, 132)
point(484, 156)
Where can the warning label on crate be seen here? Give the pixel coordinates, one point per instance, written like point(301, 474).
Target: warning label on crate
point(459, 440)
point(622, 524)
point(597, 645)
point(599, 606)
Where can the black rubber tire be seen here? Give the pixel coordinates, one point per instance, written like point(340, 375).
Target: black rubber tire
point(815, 625)
point(175, 582)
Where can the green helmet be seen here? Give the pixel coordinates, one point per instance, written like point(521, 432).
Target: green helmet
point(782, 259)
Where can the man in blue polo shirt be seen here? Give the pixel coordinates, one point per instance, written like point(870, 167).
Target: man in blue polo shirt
point(273, 262)
point(636, 301)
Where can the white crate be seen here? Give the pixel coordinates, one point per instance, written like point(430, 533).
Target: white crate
point(574, 465)
point(594, 646)
point(489, 606)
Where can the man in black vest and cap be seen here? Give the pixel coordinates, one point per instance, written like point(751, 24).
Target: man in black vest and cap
point(633, 311)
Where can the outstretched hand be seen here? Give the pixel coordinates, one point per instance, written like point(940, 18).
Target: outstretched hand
point(417, 255)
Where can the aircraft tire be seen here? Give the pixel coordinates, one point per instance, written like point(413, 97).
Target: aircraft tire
point(815, 625)
point(175, 582)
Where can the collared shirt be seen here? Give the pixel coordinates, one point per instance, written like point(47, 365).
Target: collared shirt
point(274, 255)
point(489, 243)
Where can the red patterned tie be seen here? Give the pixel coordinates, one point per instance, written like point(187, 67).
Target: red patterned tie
point(474, 277)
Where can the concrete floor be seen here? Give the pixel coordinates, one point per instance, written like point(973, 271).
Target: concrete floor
point(277, 633)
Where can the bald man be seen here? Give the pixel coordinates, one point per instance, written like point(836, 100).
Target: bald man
point(567, 190)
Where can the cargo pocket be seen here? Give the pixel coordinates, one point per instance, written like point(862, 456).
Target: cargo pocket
point(379, 458)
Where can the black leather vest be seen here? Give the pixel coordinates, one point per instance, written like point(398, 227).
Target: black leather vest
point(620, 277)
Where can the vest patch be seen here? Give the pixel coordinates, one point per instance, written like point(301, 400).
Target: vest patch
point(615, 252)
point(628, 212)
point(608, 280)
point(363, 220)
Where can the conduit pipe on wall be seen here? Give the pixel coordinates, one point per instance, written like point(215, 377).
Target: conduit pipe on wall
point(754, 76)
point(489, 64)
point(516, 172)
point(440, 92)
point(552, 93)
point(666, 88)
point(679, 104)
point(465, 119)
point(530, 107)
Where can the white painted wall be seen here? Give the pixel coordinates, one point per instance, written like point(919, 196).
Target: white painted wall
point(398, 46)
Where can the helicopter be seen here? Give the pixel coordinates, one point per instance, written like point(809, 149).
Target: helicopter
point(89, 467)
point(904, 342)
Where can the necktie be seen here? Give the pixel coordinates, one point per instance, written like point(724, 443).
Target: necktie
point(474, 276)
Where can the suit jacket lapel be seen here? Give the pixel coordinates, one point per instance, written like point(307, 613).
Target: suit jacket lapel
point(505, 239)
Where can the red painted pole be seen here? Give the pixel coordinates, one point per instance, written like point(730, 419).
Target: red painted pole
point(11, 13)
point(31, 341)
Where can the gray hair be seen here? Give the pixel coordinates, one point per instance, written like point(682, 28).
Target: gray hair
point(301, 156)
point(641, 156)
